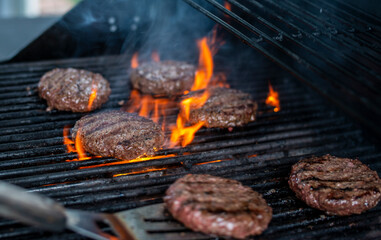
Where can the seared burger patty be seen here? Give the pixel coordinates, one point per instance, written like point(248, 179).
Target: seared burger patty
point(224, 108)
point(218, 206)
point(338, 186)
point(70, 89)
point(118, 134)
point(168, 78)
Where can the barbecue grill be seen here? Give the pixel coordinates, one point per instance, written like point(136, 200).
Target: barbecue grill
point(329, 104)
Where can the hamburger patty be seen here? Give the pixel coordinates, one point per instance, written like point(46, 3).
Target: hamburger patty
point(70, 89)
point(338, 186)
point(219, 206)
point(224, 108)
point(168, 78)
point(118, 134)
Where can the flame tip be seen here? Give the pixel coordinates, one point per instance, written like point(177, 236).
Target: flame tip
point(203, 79)
point(273, 98)
point(227, 5)
point(92, 96)
point(134, 60)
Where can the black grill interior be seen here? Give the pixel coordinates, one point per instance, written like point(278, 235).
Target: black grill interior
point(32, 153)
point(330, 45)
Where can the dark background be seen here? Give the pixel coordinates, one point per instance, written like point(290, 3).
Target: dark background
point(99, 27)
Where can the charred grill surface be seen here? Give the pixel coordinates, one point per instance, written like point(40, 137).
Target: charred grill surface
point(259, 154)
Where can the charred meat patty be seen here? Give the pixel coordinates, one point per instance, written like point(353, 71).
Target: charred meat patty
point(224, 108)
point(71, 89)
point(167, 78)
point(338, 186)
point(118, 134)
point(218, 206)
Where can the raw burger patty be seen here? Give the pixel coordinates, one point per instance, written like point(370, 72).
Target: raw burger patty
point(118, 134)
point(218, 206)
point(168, 78)
point(224, 108)
point(70, 89)
point(338, 186)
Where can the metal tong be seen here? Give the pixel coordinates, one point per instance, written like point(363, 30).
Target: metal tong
point(43, 212)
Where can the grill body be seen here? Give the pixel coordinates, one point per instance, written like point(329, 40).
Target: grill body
point(260, 154)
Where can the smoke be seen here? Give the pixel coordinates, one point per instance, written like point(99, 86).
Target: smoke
point(168, 27)
point(172, 28)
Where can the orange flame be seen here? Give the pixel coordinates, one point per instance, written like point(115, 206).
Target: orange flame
point(79, 146)
point(214, 161)
point(155, 56)
point(205, 70)
point(138, 172)
point(134, 61)
point(146, 104)
point(134, 102)
point(139, 159)
point(202, 80)
point(93, 95)
point(149, 107)
point(187, 133)
point(159, 110)
point(194, 103)
point(228, 6)
point(273, 99)
point(75, 146)
point(68, 142)
point(54, 184)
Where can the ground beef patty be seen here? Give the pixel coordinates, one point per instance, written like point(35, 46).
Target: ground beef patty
point(338, 186)
point(70, 89)
point(224, 108)
point(118, 134)
point(168, 78)
point(218, 206)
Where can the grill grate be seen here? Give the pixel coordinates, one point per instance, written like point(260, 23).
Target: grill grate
point(329, 45)
point(259, 155)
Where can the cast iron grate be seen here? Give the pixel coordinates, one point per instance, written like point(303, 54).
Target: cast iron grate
point(32, 153)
